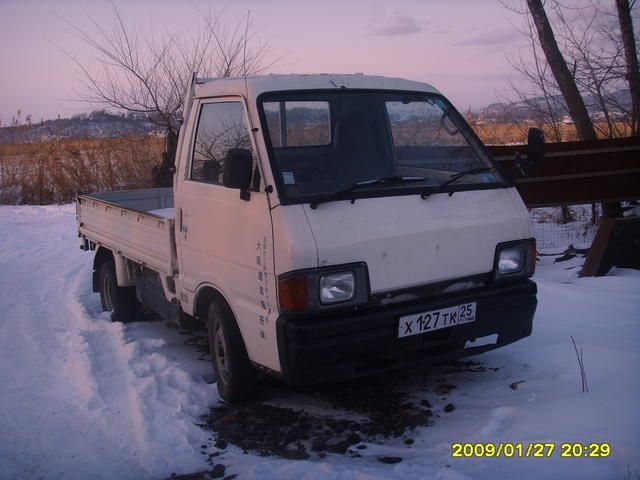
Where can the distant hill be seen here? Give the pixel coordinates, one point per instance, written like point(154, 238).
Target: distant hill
point(97, 124)
point(529, 109)
point(102, 124)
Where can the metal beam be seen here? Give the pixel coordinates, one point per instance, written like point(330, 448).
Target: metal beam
point(577, 172)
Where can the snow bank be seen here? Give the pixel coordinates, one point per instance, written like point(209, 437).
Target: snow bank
point(83, 397)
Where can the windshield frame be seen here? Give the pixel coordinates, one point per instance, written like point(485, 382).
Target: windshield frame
point(386, 190)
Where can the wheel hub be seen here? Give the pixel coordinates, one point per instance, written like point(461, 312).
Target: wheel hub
point(108, 289)
point(220, 352)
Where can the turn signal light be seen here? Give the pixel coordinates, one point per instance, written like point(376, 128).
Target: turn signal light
point(293, 293)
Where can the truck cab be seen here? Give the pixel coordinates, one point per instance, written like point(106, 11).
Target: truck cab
point(333, 226)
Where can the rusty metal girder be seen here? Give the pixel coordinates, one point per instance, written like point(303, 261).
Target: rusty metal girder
point(577, 172)
point(617, 243)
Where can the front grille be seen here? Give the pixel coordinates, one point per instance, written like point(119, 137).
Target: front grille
point(429, 290)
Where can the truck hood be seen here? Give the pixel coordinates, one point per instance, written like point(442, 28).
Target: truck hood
point(407, 241)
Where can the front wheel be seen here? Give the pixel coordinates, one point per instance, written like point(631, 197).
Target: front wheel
point(235, 376)
point(120, 301)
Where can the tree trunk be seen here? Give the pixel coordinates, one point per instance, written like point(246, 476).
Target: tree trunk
point(162, 174)
point(631, 56)
point(567, 214)
point(568, 87)
point(561, 72)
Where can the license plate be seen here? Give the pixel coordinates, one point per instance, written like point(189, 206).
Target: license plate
point(436, 319)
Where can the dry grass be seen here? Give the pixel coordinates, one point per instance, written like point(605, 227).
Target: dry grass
point(54, 171)
point(509, 134)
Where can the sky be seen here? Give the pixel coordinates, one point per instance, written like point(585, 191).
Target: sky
point(459, 46)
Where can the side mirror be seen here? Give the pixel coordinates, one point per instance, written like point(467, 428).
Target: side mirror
point(535, 151)
point(238, 168)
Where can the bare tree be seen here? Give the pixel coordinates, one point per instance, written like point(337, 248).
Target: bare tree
point(633, 72)
point(561, 72)
point(582, 59)
point(539, 83)
point(566, 83)
point(148, 76)
point(591, 42)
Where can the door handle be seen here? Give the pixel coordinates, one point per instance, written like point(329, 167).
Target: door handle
point(184, 229)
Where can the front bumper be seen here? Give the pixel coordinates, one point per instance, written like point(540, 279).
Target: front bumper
point(361, 342)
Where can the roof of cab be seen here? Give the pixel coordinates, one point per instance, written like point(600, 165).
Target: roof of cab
point(257, 85)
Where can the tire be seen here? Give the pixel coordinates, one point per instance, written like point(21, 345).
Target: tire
point(120, 301)
point(235, 377)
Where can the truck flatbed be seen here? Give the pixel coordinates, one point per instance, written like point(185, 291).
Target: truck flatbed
point(137, 224)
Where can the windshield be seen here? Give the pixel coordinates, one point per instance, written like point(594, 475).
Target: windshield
point(323, 143)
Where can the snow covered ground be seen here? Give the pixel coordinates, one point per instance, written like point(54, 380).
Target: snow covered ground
point(81, 397)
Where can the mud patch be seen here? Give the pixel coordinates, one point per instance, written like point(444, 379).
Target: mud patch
point(198, 342)
point(341, 418)
point(461, 366)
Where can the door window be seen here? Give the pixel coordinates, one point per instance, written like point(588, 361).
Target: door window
point(221, 126)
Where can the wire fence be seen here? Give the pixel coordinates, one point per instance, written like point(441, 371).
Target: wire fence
point(552, 233)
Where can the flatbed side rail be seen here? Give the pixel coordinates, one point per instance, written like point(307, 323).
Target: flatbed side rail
point(140, 236)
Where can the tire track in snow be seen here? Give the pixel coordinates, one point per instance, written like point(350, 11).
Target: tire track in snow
point(48, 434)
point(114, 399)
point(92, 402)
point(141, 393)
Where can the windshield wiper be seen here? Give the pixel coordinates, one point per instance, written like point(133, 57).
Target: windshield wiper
point(364, 183)
point(455, 177)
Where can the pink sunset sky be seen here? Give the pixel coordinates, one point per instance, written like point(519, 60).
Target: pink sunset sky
point(459, 46)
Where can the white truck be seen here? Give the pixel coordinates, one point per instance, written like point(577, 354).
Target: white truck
point(322, 227)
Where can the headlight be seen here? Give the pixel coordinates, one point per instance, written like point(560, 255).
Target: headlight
point(510, 260)
point(515, 259)
point(326, 288)
point(337, 287)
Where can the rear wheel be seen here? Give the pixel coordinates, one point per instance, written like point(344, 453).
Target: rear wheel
point(120, 301)
point(235, 377)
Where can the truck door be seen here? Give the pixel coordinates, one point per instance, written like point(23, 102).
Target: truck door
point(224, 241)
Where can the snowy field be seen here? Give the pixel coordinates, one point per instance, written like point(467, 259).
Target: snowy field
point(81, 397)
